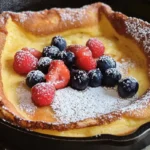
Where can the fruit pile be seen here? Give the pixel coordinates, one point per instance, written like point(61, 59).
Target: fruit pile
point(77, 66)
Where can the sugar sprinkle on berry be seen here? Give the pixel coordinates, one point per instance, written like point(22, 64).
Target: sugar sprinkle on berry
point(24, 62)
point(43, 94)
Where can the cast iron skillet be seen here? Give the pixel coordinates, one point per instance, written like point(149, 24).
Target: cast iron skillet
point(23, 139)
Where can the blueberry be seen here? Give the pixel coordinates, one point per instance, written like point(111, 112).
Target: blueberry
point(67, 57)
point(70, 59)
point(79, 80)
point(128, 87)
point(105, 62)
point(62, 55)
point(73, 68)
point(111, 77)
point(95, 77)
point(59, 42)
point(50, 51)
point(43, 64)
point(34, 77)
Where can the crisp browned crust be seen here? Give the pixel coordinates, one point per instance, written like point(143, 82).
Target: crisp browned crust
point(55, 21)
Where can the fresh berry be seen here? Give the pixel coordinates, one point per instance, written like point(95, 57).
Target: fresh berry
point(86, 63)
point(128, 87)
point(43, 64)
point(74, 48)
point(79, 80)
point(43, 94)
point(105, 62)
point(58, 74)
point(72, 68)
point(67, 57)
point(33, 51)
point(50, 51)
point(24, 62)
point(111, 77)
point(70, 59)
point(79, 50)
point(34, 77)
point(59, 42)
point(96, 46)
point(95, 78)
point(83, 52)
point(62, 55)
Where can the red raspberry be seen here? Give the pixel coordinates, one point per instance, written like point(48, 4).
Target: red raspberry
point(24, 62)
point(79, 50)
point(85, 51)
point(58, 74)
point(96, 46)
point(74, 48)
point(43, 94)
point(86, 63)
point(33, 51)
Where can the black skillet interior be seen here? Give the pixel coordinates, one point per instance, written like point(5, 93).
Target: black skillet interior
point(28, 140)
point(17, 138)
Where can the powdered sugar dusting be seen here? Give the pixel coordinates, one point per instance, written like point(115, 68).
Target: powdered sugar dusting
point(140, 31)
point(71, 105)
point(139, 104)
point(24, 99)
point(124, 65)
point(72, 15)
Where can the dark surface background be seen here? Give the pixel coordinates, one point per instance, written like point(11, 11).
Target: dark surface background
point(136, 8)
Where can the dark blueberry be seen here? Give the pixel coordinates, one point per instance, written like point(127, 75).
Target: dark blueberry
point(70, 59)
point(79, 80)
point(59, 42)
point(67, 57)
point(95, 77)
point(62, 55)
point(43, 64)
point(111, 77)
point(50, 51)
point(73, 68)
point(105, 62)
point(34, 77)
point(128, 87)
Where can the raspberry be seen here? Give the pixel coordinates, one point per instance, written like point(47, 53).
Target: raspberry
point(79, 50)
point(33, 51)
point(74, 48)
point(96, 46)
point(85, 51)
point(24, 62)
point(43, 94)
point(58, 74)
point(86, 63)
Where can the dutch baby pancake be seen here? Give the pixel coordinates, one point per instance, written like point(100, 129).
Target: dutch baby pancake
point(75, 72)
